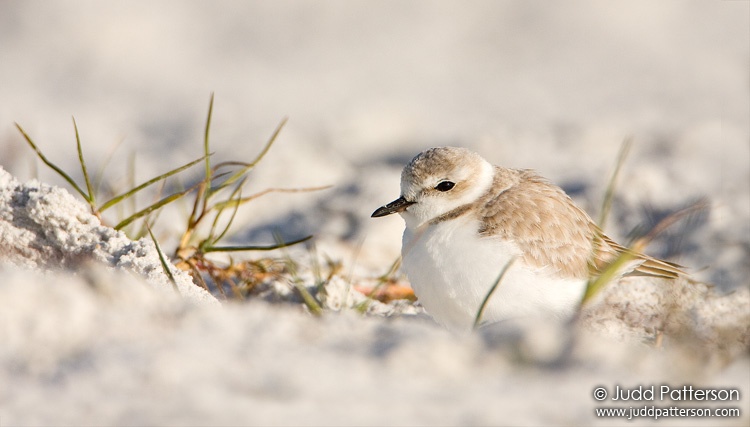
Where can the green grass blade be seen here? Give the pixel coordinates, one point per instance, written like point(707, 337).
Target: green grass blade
point(241, 172)
point(317, 271)
point(98, 176)
point(480, 312)
point(132, 192)
point(237, 192)
point(391, 270)
point(270, 142)
point(242, 201)
point(612, 270)
point(229, 224)
point(91, 198)
point(163, 260)
point(609, 195)
point(50, 164)
point(206, 148)
point(131, 179)
point(310, 301)
point(596, 284)
point(254, 248)
point(169, 199)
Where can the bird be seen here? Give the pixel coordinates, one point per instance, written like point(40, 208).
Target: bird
point(467, 221)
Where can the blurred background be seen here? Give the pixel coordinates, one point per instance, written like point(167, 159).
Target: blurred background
point(553, 86)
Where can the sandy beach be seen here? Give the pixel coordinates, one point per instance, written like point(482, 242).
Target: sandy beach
point(93, 332)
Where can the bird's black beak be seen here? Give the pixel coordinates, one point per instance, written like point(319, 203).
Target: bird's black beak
point(396, 206)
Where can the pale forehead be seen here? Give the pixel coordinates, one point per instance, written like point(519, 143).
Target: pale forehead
point(440, 161)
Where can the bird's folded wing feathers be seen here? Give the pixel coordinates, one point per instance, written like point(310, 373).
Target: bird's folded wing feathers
point(608, 250)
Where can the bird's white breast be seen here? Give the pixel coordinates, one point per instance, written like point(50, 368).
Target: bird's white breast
point(452, 269)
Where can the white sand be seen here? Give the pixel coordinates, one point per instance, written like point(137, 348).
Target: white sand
point(94, 344)
point(555, 87)
point(46, 227)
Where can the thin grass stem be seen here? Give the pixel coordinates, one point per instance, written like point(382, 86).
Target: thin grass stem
point(51, 165)
point(197, 275)
point(241, 201)
point(98, 177)
point(237, 191)
point(480, 312)
point(242, 171)
point(163, 261)
point(596, 284)
point(310, 301)
point(206, 148)
point(254, 248)
point(91, 196)
point(117, 199)
point(609, 194)
point(169, 199)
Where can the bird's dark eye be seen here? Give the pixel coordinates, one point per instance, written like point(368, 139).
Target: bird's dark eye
point(445, 186)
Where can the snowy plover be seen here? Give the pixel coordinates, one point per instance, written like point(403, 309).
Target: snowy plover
point(467, 219)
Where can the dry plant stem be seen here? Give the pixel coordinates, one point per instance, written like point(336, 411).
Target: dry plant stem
point(667, 222)
point(192, 220)
point(382, 280)
point(197, 274)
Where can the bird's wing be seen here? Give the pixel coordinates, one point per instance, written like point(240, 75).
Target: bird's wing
point(543, 222)
point(552, 232)
point(608, 250)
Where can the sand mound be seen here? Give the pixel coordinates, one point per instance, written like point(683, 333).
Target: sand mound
point(45, 227)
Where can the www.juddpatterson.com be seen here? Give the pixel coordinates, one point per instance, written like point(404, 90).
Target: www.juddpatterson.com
point(656, 412)
point(666, 393)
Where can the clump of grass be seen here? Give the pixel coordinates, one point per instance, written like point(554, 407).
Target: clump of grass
point(612, 270)
point(89, 194)
point(228, 179)
point(217, 199)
